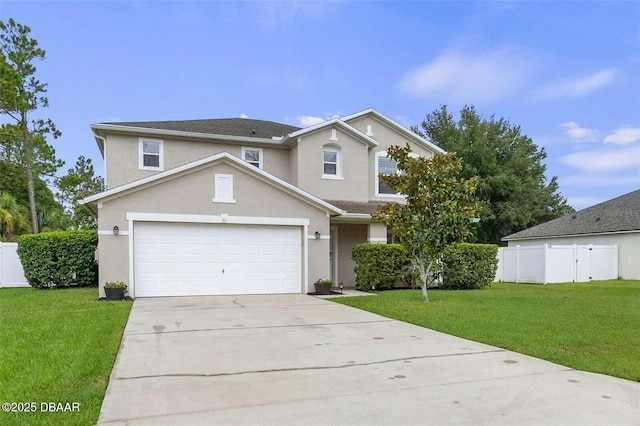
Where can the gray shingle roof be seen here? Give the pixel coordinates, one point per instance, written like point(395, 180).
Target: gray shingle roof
point(369, 207)
point(619, 214)
point(221, 126)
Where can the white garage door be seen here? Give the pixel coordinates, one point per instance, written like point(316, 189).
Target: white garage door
point(178, 259)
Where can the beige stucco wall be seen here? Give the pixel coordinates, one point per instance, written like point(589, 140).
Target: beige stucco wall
point(192, 194)
point(353, 186)
point(628, 249)
point(293, 165)
point(123, 157)
point(377, 233)
point(349, 235)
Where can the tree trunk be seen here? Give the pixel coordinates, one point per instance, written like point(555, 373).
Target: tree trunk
point(424, 276)
point(28, 165)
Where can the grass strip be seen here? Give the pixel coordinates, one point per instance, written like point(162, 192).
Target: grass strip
point(587, 326)
point(57, 346)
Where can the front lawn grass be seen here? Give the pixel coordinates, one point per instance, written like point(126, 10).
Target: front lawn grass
point(587, 326)
point(57, 346)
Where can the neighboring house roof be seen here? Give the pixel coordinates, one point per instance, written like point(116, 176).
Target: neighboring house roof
point(222, 126)
point(621, 214)
point(225, 157)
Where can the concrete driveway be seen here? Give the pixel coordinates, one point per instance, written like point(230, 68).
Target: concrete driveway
point(301, 360)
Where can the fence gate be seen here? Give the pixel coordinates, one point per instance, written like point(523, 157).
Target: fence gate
point(557, 263)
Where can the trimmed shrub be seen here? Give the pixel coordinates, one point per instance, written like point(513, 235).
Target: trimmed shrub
point(59, 259)
point(468, 266)
point(381, 266)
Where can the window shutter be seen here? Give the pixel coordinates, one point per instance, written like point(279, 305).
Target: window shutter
point(224, 188)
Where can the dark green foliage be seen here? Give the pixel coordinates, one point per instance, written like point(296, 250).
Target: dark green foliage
point(13, 181)
point(59, 259)
point(513, 189)
point(78, 183)
point(468, 266)
point(381, 266)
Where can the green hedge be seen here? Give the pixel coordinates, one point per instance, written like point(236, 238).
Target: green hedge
point(59, 259)
point(468, 266)
point(381, 266)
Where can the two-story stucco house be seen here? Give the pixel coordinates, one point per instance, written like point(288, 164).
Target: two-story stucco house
point(241, 206)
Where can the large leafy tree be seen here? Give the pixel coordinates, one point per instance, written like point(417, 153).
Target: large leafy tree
point(79, 182)
point(513, 189)
point(439, 209)
point(21, 94)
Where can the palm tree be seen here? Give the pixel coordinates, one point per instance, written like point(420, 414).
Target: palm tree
point(13, 220)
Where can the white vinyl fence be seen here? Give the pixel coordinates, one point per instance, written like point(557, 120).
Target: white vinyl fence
point(11, 272)
point(557, 263)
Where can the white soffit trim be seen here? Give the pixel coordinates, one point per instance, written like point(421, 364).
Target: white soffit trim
point(110, 232)
point(395, 125)
point(322, 237)
point(352, 217)
point(377, 240)
point(183, 134)
point(195, 218)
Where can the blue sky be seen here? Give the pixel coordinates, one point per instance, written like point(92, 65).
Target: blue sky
point(568, 73)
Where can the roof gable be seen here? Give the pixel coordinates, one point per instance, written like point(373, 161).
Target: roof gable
point(205, 162)
point(395, 126)
point(336, 122)
point(621, 214)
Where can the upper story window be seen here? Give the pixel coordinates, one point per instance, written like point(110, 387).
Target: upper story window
point(385, 166)
point(331, 162)
point(150, 154)
point(252, 156)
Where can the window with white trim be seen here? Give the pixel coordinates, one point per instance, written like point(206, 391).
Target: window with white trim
point(252, 156)
point(385, 166)
point(331, 162)
point(223, 188)
point(150, 154)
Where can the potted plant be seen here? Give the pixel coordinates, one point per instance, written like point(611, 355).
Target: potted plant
point(115, 290)
point(323, 286)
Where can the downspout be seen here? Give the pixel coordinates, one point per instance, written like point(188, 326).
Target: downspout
point(104, 155)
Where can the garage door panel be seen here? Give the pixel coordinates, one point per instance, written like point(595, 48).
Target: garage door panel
point(215, 259)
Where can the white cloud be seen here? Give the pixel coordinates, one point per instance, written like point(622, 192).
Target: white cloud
point(109, 119)
point(624, 136)
point(602, 160)
point(579, 86)
point(468, 78)
point(580, 203)
point(309, 120)
point(243, 115)
point(574, 131)
point(592, 180)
